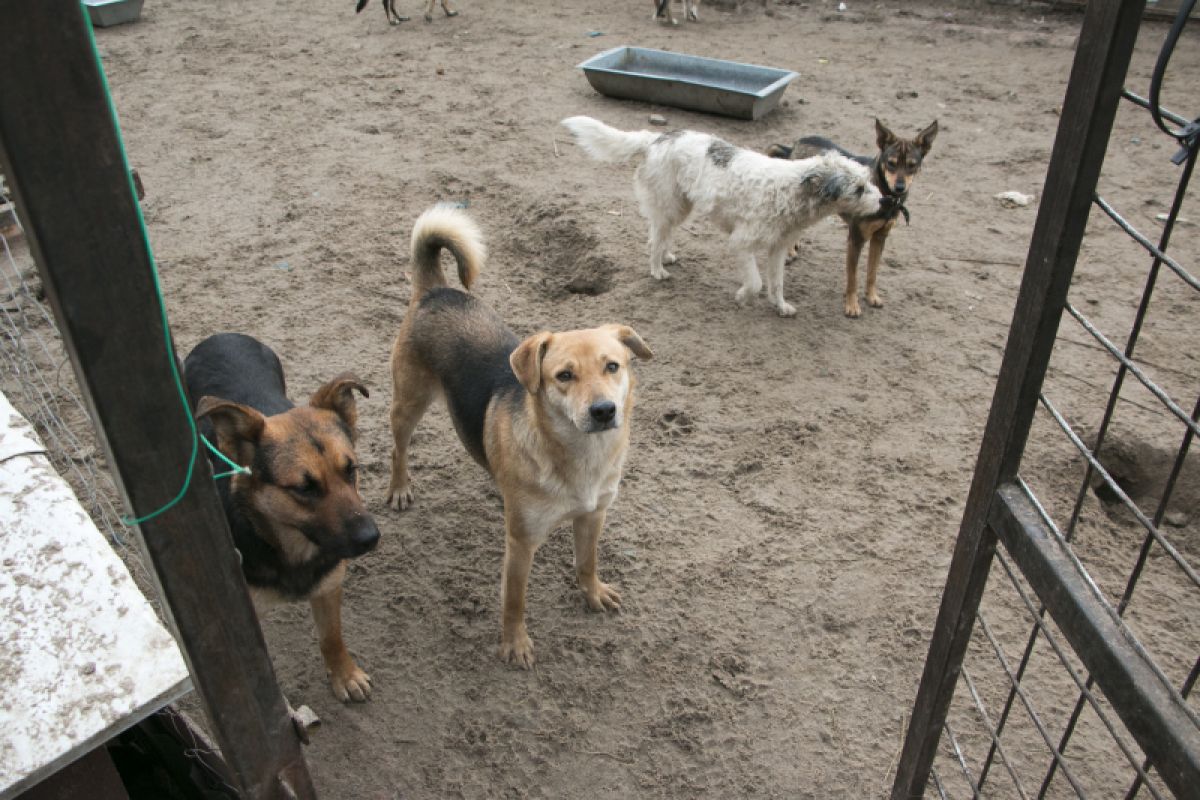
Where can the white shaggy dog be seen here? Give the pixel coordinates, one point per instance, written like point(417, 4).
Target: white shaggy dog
point(756, 199)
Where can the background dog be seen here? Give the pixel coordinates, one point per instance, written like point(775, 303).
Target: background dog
point(548, 417)
point(758, 201)
point(445, 7)
point(389, 10)
point(893, 170)
point(662, 10)
point(297, 516)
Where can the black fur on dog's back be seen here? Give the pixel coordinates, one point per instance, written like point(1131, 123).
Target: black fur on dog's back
point(238, 368)
point(467, 346)
point(813, 146)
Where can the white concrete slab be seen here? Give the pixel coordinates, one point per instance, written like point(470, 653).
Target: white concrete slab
point(82, 654)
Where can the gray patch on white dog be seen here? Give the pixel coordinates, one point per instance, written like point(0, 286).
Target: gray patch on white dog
point(721, 153)
point(668, 137)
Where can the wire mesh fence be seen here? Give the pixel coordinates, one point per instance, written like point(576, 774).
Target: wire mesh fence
point(1111, 482)
point(36, 376)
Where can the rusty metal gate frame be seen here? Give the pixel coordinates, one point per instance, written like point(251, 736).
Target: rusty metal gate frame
point(1002, 507)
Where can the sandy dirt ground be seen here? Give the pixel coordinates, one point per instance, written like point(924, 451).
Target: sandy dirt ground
point(794, 485)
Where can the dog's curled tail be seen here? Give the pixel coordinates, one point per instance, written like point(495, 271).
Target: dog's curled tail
point(605, 143)
point(779, 151)
point(453, 229)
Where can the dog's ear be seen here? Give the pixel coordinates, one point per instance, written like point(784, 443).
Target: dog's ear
point(629, 337)
point(924, 139)
point(526, 360)
point(238, 427)
point(883, 136)
point(338, 396)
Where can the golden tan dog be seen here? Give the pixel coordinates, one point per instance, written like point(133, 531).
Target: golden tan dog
point(548, 417)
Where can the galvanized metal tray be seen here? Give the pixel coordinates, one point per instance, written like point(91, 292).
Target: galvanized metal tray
point(745, 91)
point(104, 13)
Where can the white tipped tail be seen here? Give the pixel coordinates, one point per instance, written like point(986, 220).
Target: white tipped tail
point(453, 229)
point(604, 143)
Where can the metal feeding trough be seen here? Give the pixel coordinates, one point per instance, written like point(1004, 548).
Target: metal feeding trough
point(711, 85)
point(104, 13)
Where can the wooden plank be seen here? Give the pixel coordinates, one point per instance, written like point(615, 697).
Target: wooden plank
point(1105, 45)
point(85, 656)
point(1153, 711)
point(61, 152)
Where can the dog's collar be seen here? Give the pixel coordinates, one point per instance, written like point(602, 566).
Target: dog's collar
point(898, 198)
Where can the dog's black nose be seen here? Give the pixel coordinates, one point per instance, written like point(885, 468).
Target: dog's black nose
point(363, 535)
point(603, 412)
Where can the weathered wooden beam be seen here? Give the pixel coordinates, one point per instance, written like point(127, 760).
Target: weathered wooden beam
point(62, 155)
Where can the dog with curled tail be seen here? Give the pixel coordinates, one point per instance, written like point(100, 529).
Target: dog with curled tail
point(547, 416)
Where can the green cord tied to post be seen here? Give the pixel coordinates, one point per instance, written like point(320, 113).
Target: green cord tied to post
point(197, 437)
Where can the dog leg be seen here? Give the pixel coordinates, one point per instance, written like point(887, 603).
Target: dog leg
point(874, 256)
point(393, 18)
point(348, 681)
point(660, 241)
point(412, 392)
point(854, 246)
point(449, 11)
point(429, 11)
point(599, 596)
point(793, 253)
point(775, 263)
point(519, 546)
point(742, 246)
point(691, 6)
point(751, 279)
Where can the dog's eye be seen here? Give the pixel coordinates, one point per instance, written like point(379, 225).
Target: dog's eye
point(307, 490)
point(565, 376)
point(612, 366)
point(860, 190)
point(893, 164)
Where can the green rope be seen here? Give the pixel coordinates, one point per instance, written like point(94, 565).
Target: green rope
point(162, 307)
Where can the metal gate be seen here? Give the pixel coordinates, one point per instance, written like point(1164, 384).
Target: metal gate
point(1112, 676)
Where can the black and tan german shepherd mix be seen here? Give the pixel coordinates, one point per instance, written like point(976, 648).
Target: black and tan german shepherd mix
point(547, 416)
point(893, 170)
point(297, 516)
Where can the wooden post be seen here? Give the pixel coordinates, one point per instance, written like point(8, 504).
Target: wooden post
point(1105, 46)
point(61, 152)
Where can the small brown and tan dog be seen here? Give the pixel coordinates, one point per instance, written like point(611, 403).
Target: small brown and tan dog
point(893, 171)
point(297, 515)
point(547, 416)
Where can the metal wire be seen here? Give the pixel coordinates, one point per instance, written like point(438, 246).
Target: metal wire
point(962, 761)
point(1150, 527)
point(1128, 364)
point(993, 733)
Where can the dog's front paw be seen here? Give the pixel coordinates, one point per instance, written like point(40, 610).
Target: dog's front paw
point(852, 308)
point(785, 309)
point(517, 648)
point(669, 258)
point(743, 295)
point(659, 274)
point(351, 684)
point(400, 497)
point(601, 597)
point(874, 301)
